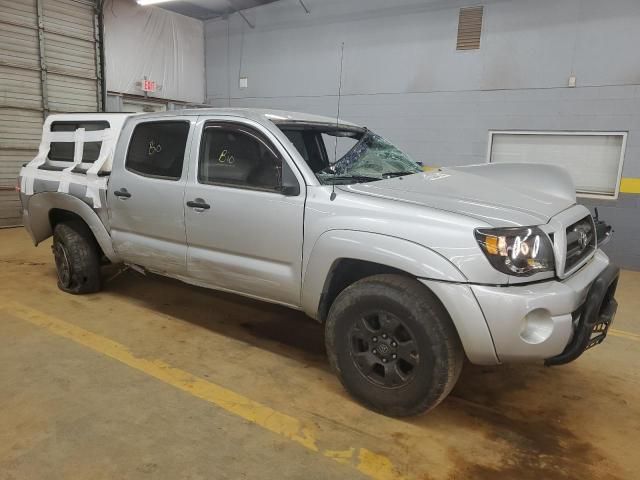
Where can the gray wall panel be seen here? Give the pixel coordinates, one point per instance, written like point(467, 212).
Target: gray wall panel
point(19, 45)
point(623, 214)
point(9, 208)
point(451, 128)
point(403, 77)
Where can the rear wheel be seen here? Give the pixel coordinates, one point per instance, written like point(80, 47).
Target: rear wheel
point(393, 345)
point(77, 258)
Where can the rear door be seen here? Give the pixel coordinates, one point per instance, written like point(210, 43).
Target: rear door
point(146, 193)
point(244, 230)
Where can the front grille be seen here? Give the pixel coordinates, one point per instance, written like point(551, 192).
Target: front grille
point(581, 242)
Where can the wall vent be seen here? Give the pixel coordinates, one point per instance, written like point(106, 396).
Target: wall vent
point(469, 28)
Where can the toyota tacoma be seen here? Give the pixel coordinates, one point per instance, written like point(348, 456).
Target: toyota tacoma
point(409, 271)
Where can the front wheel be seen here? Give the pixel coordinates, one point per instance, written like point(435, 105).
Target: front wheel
point(393, 345)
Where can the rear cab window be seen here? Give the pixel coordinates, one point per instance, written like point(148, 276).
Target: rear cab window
point(157, 149)
point(64, 151)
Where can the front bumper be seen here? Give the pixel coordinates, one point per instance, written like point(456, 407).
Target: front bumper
point(593, 318)
point(554, 320)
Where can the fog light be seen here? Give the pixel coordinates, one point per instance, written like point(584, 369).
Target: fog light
point(537, 326)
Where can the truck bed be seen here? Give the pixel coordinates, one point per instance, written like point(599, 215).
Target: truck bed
point(75, 156)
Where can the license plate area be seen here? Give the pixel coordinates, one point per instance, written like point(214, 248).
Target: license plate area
point(594, 317)
point(605, 319)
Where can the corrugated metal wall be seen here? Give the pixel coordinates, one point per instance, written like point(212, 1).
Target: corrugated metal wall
point(49, 62)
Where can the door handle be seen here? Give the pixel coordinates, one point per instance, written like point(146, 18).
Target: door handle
point(198, 204)
point(122, 193)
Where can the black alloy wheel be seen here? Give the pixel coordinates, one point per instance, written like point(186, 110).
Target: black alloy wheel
point(393, 344)
point(384, 349)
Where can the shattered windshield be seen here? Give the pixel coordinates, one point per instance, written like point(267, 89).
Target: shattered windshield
point(348, 155)
point(371, 158)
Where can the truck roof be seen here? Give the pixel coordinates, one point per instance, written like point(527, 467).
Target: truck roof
point(250, 113)
point(92, 174)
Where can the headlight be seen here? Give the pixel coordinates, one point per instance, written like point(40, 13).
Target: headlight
point(520, 251)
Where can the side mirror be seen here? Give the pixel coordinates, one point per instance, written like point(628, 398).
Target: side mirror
point(290, 190)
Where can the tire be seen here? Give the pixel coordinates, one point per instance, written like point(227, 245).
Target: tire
point(385, 315)
point(77, 258)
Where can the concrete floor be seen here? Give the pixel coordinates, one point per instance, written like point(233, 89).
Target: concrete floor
point(155, 379)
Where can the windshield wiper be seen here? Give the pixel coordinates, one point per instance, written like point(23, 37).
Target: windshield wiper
point(357, 178)
point(396, 174)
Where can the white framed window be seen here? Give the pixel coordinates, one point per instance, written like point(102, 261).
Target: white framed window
point(593, 159)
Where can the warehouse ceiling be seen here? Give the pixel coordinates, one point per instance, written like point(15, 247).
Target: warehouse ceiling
point(207, 9)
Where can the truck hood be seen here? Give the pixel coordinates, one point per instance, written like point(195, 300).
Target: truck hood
point(498, 194)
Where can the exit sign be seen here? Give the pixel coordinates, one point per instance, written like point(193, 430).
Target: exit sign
point(148, 85)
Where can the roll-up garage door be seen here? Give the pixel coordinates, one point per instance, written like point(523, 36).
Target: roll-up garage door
point(49, 63)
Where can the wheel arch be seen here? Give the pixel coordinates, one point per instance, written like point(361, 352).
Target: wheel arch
point(46, 209)
point(341, 257)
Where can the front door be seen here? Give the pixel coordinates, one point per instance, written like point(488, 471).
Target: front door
point(244, 229)
point(146, 195)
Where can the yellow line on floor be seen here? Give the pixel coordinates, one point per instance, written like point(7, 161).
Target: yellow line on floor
point(622, 333)
point(371, 464)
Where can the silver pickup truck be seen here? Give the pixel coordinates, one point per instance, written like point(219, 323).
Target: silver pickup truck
point(409, 271)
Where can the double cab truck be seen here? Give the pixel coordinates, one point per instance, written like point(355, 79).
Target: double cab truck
point(409, 271)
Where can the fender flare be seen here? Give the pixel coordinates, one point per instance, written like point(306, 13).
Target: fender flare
point(335, 245)
point(37, 222)
point(433, 270)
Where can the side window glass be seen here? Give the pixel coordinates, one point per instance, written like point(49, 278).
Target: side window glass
point(296, 137)
point(157, 149)
point(311, 147)
point(238, 157)
point(63, 151)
